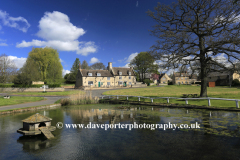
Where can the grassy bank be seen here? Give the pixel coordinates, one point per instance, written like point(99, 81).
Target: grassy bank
point(18, 100)
point(79, 98)
point(178, 91)
point(64, 93)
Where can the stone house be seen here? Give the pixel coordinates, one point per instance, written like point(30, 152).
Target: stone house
point(223, 78)
point(112, 77)
point(183, 78)
point(163, 78)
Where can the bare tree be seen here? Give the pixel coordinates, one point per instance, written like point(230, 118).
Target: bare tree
point(191, 30)
point(7, 69)
point(98, 65)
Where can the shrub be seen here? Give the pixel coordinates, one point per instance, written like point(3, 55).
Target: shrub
point(170, 83)
point(235, 82)
point(147, 81)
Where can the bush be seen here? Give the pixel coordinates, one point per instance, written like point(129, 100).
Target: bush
point(235, 82)
point(197, 82)
point(54, 85)
point(170, 83)
point(147, 81)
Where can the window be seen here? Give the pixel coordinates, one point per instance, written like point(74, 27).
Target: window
point(163, 81)
point(98, 74)
point(129, 77)
point(130, 83)
point(182, 82)
point(89, 74)
point(186, 82)
point(186, 78)
point(120, 82)
point(120, 73)
point(108, 78)
point(108, 83)
point(181, 78)
point(163, 78)
point(178, 78)
point(129, 73)
point(90, 83)
point(120, 77)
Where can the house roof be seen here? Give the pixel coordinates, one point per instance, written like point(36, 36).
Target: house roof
point(178, 74)
point(223, 73)
point(124, 71)
point(104, 73)
point(36, 118)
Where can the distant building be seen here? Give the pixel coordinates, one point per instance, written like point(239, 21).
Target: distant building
point(112, 77)
point(183, 78)
point(222, 78)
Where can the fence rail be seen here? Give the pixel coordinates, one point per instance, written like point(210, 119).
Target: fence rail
point(168, 98)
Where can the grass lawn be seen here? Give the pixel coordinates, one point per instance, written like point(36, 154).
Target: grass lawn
point(64, 93)
point(62, 85)
point(18, 100)
point(177, 91)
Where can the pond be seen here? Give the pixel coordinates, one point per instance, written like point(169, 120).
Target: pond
point(217, 137)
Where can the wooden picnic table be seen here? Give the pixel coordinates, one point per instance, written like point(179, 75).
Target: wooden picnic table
point(188, 95)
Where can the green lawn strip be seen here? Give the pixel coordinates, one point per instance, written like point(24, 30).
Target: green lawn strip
point(14, 109)
point(64, 93)
point(18, 100)
point(177, 91)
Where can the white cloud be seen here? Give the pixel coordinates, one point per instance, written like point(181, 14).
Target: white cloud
point(94, 60)
point(126, 65)
point(13, 21)
point(133, 55)
point(19, 62)
point(64, 72)
point(59, 33)
point(61, 60)
point(3, 44)
point(57, 26)
point(121, 60)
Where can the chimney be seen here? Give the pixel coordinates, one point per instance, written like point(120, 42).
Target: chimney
point(109, 66)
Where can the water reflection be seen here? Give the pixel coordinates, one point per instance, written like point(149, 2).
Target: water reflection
point(217, 138)
point(34, 142)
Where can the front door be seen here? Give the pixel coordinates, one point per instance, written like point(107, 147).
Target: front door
point(125, 84)
point(99, 84)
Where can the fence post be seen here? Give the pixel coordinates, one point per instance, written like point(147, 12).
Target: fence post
point(167, 100)
point(139, 99)
point(152, 100)
point(102, 97)
point(237, 104)
point(209, 103)
point(117, 97)
point(186, 101)
point(127, 97)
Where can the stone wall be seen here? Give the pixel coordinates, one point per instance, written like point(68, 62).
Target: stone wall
point(31, 89)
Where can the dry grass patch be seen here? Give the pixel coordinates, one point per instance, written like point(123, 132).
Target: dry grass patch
point(80, 98)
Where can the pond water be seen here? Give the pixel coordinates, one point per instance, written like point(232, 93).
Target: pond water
point(217, 137)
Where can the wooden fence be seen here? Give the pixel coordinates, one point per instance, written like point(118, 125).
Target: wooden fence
point(168, 98)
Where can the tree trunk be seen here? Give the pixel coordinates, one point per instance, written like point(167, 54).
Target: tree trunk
point(203, 82)
point(203, 62)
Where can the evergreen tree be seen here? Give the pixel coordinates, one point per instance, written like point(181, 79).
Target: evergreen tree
point(84, 65)
point(71, 78)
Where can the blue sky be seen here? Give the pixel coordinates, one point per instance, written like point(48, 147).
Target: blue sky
point(92, 30)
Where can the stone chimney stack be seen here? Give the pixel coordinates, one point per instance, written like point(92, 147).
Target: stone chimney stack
point(109, 66)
